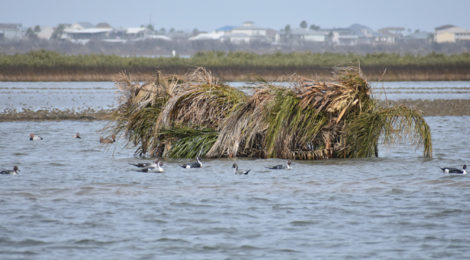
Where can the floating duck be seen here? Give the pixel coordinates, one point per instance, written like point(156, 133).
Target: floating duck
point(237, 171)
point(157, 167)
point(77, 135)
point(145, 164)
point(108, 140)
point(281, 166)
point(11, 172)
point(33, 137)
point(449, 170)
point(197, 164)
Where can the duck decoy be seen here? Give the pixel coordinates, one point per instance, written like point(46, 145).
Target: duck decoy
point(11, 172)
point(108, 140)
point(33, 137)
point(237, 171)
point(197, 164)
point(449, 170)
point(282, 166)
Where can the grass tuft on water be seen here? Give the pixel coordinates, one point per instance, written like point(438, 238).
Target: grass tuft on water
point(189, 115)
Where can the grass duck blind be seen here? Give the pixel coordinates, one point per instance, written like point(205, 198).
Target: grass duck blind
point(181, 117)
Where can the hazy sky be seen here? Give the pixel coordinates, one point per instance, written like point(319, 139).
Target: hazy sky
point(211, 14)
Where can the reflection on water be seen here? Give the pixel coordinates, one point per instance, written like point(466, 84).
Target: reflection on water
point(81, 199)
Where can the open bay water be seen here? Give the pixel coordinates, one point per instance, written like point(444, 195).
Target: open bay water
point(80, 96)
point(77, 199)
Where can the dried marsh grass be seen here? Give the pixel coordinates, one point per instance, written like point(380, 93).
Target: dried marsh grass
point(193, 115)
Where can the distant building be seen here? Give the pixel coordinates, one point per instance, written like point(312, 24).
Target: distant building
point(137, 33)
point(300, 35)
point(215, 35)
point(103, 25)
point(134, 34)
point(451, 33)
point(45, 33)
point(226, 28)
point(419, 35)
point(11, 31)
point(159, 37)
point(365, 35)
point(344, 36)
point(248, 33)
point(84, 32)
point(86, 35)
point(390, 35)
point(352, 35)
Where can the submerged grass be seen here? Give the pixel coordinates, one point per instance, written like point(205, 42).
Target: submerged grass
point(181, 117)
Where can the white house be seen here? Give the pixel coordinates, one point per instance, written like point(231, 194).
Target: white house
point(82, 33)
point(11, 31)
point(45, 33)
point(451, 33)
point(248, 32)
point(137, 33)
point(306, 35)
point(215, 35)
point(390, 35)
point(87, 34)
point(344, 37)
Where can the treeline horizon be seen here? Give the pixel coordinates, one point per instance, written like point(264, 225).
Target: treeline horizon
point(233, 65)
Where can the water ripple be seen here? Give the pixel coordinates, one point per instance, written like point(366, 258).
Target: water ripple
point(82, 200)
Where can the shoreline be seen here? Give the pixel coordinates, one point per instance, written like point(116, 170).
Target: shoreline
point(236, 73)
point(438, 107)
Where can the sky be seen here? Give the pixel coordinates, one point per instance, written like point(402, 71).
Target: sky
point(208, 15)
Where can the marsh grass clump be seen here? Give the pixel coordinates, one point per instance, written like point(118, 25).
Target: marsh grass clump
point(155, 115)
point(182, 117)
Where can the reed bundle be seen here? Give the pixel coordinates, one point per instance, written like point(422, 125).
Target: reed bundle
point(195, 115)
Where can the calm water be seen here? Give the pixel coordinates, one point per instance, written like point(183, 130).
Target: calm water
point(76, 96)
point(80, 199)
point(79, 96)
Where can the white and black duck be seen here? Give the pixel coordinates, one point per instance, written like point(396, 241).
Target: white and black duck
point(145, 164)
point(282, 166)
point(154, 168)
point(449, 170)
point(239, 171)
point(196, 164)
point(11, 172)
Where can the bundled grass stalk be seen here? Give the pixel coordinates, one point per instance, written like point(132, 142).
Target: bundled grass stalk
point(242, 133)
point(193, 115)
point(187, 142)
point(170, 101)
point(396, 124)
